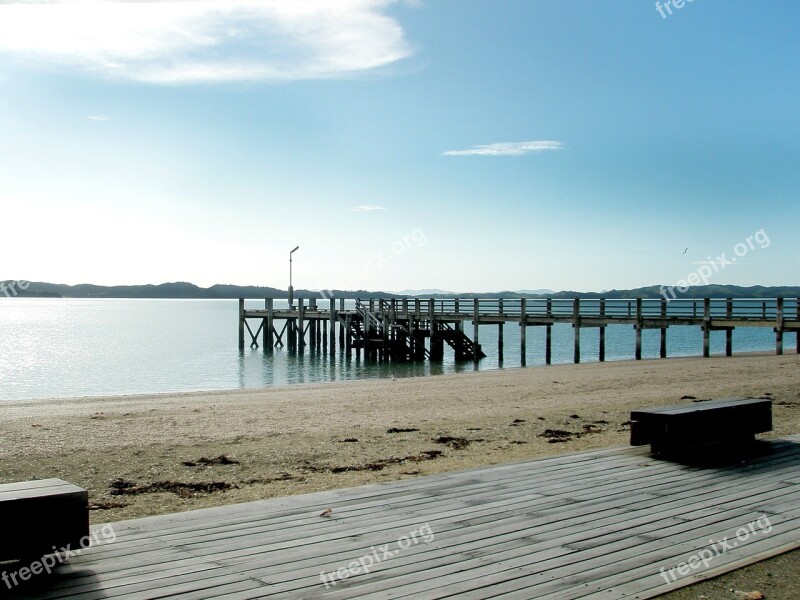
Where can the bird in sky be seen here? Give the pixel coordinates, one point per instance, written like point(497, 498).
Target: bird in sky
point(686, 250)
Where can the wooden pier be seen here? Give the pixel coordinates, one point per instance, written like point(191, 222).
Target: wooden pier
point(417, 329)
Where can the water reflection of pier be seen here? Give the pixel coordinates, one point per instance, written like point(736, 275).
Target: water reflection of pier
point(419, 329)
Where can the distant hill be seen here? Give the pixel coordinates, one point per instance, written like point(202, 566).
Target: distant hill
point(426, 292)
point(164, 290)
point(189, 290)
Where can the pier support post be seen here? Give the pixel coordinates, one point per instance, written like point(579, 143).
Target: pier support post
point(312, 325)
point(332, 342)
point(729, 330)
point(269, 327)
point(319, 330)
point(344, 330)
point(638, 327)
point(706, 327)
point(301, 313)
point(663, 347)
point(523, 328)
point(576, 324)
point(602, 333)
point(779, 326)
point(797, 334)
point(348, 346)
point(386, 335)
point(475, 325)
point(241, 323)
point(437, 342)
point(264, 332)
point(548, 341)
point(500, 333)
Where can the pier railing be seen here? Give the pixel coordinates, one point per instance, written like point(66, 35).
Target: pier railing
point(647, 308)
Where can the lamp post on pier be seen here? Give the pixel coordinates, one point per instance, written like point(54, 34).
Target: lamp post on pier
point(291, 289)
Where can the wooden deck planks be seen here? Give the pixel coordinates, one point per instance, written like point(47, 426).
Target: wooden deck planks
point(597, 525)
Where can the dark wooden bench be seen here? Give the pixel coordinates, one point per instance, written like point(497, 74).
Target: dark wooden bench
point(733, 422)
point(37, 516)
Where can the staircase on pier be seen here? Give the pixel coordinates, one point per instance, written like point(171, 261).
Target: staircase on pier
point(378, 330)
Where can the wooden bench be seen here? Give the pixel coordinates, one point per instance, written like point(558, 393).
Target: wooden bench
point(36, 516)
point(730, 422)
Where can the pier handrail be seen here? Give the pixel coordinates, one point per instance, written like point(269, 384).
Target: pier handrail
point(734, 309)
point(370, 320)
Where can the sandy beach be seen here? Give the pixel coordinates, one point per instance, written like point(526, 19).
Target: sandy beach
point(148, 455)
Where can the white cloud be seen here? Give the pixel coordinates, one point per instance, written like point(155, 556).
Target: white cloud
point(97, 118)
point(179, 41)
point(506, 149)
point(366, 207)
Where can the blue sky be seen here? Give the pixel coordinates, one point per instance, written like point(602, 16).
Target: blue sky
point(464, 145)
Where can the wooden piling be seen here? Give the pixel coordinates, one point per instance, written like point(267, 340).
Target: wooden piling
point(437, 343)
point(601, 351)
point(269, 329)
point(500, 333)
point(779, 326)
point(332, 342)
point(729, 330)
point(576, 324)
point(476, 356)
point(639, 325)
point(706, 327)
point(348, 346)
point(301, 314)
point(311, 326)
point(548, 341)
point(523, 327)
point(241, 323)
point(344, 330)
point(663, 346)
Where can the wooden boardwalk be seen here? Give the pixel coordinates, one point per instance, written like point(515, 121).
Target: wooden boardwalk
point(608, 524)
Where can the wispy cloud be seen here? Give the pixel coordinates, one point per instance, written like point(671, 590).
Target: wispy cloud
point(366, 207)
point(97, 118)
point(183, 41)
point(506, 149)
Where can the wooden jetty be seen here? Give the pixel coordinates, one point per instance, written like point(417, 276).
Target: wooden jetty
point(602, 525)
point(417, 329)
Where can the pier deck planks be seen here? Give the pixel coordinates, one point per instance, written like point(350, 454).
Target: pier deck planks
point(598, 525)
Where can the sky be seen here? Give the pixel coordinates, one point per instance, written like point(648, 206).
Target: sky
point(465, 145)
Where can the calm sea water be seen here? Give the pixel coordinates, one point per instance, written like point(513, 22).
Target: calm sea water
point(55, 348)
